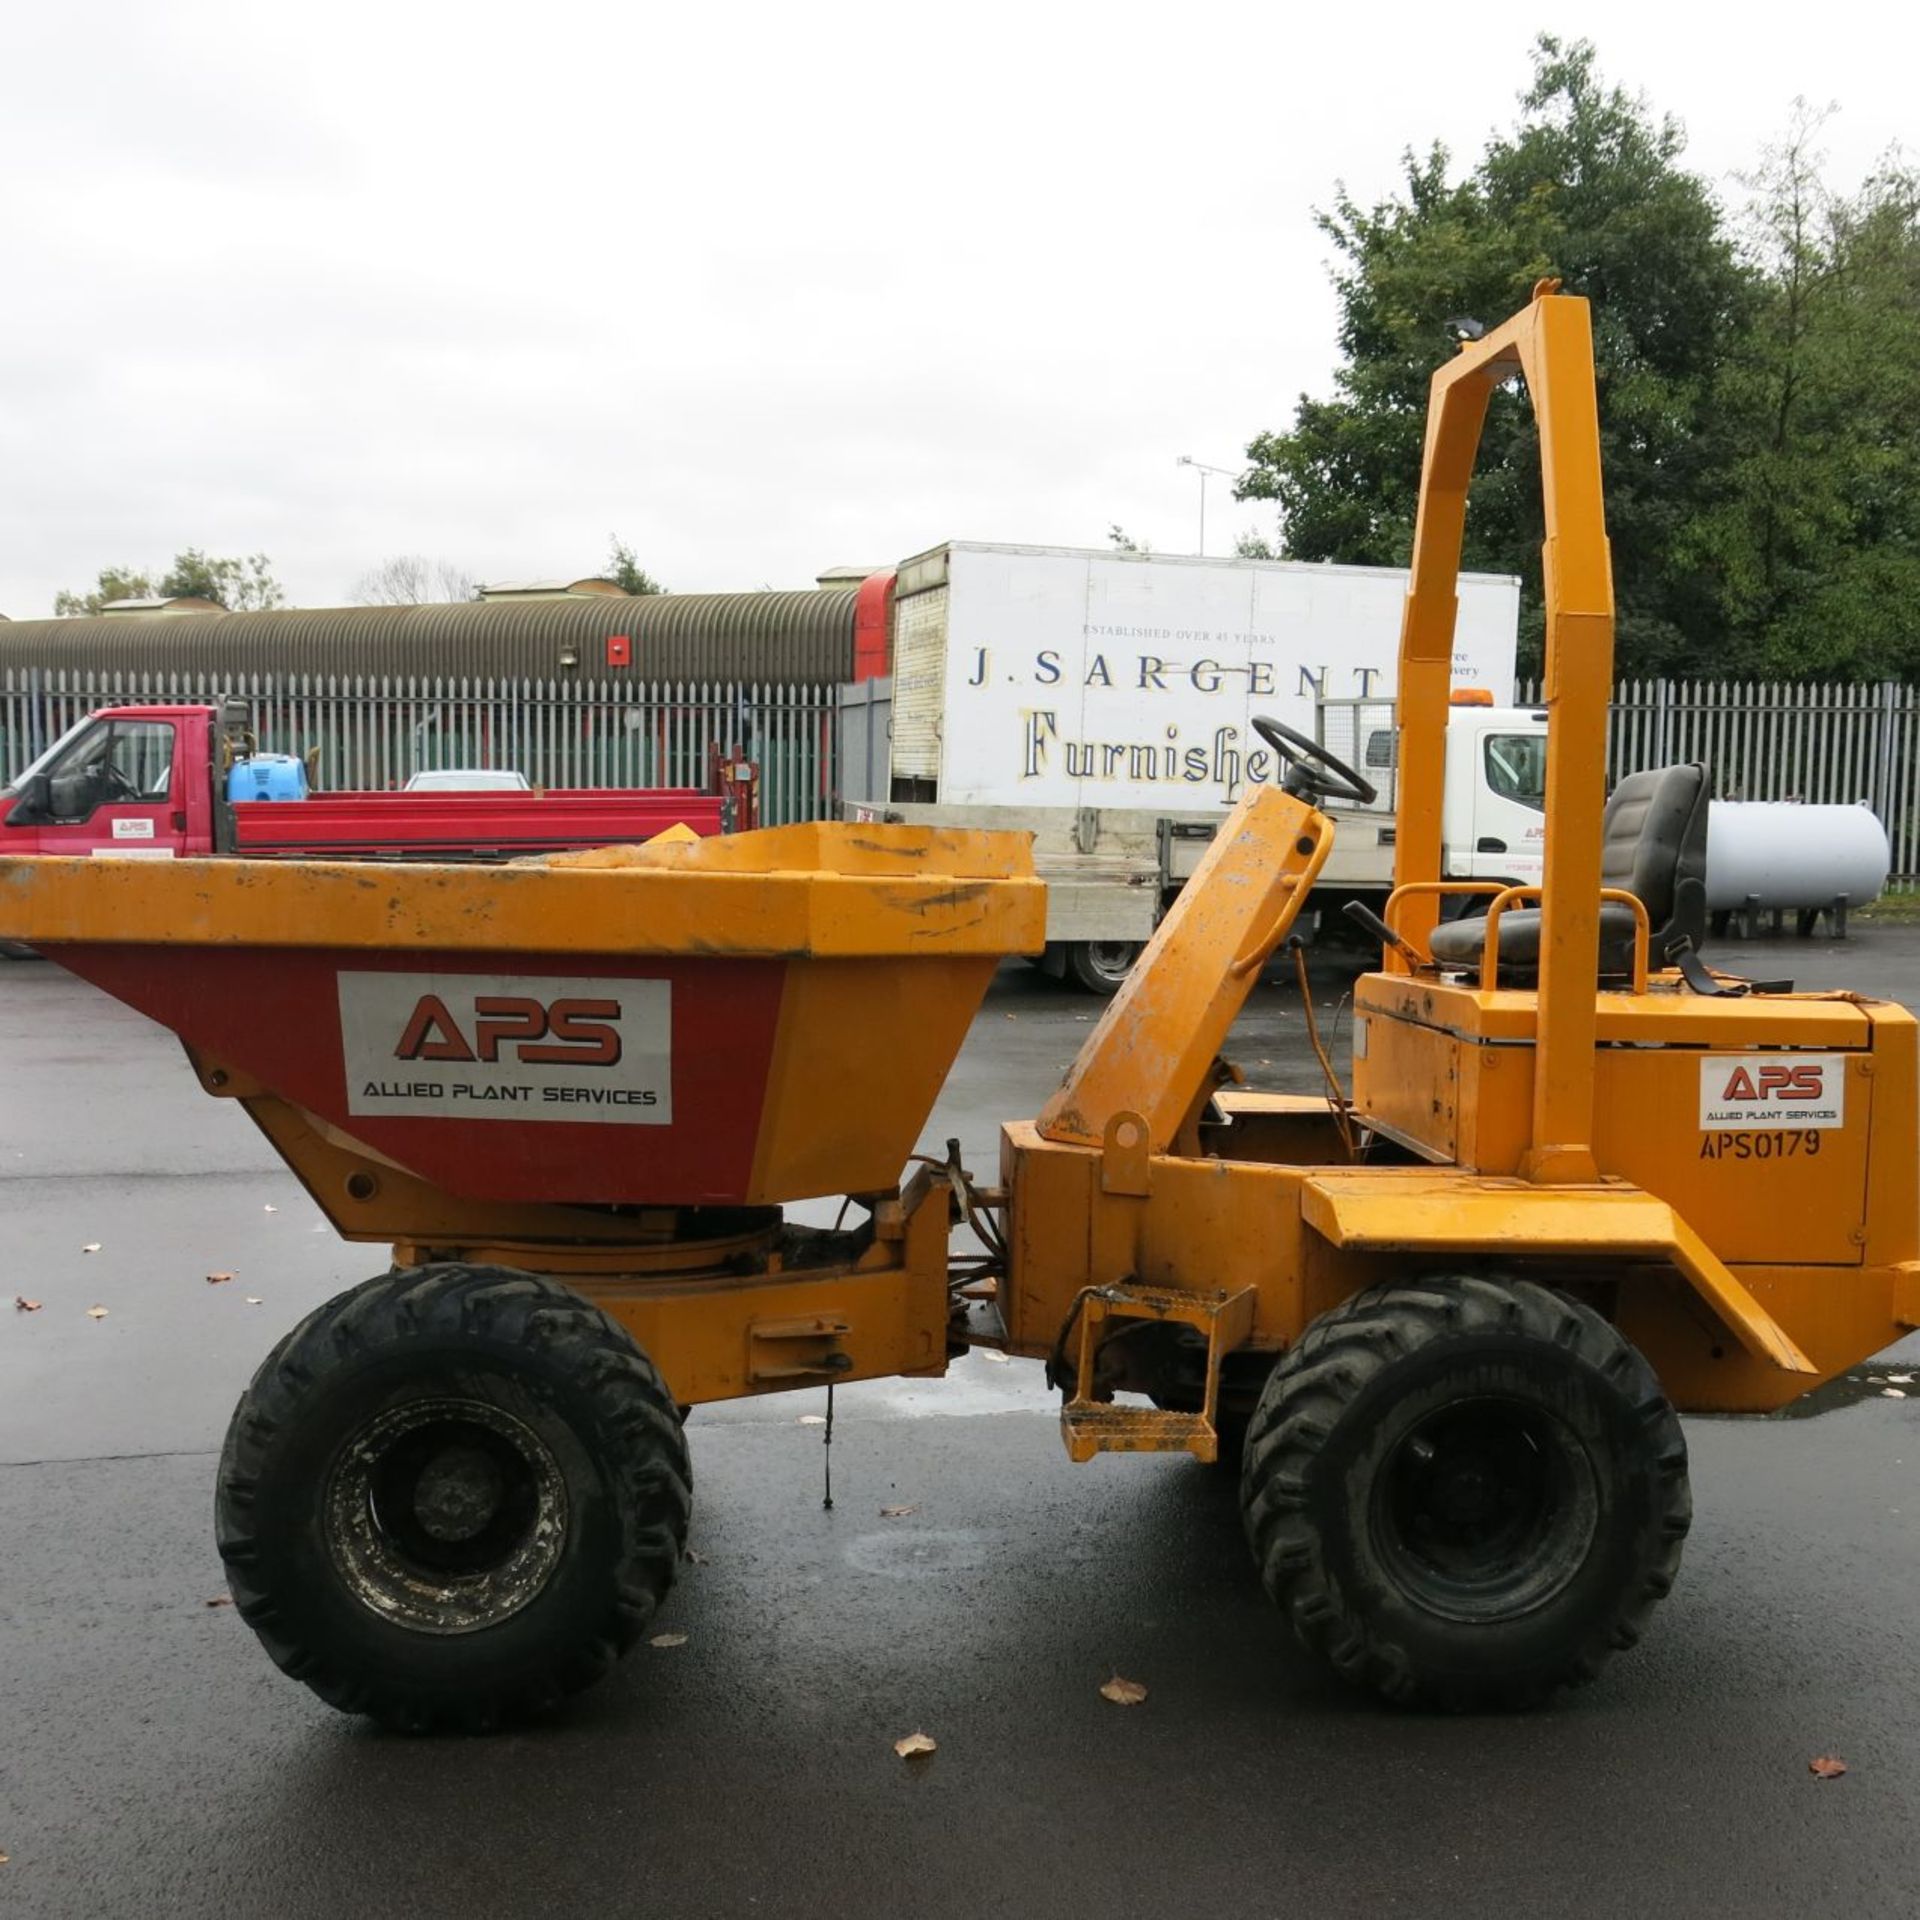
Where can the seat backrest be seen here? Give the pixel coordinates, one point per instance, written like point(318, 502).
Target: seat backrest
point(1654, 845)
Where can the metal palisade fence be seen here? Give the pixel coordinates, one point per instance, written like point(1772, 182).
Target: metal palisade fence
point(1783, 740)
point(1843, 744)
point(373, 733)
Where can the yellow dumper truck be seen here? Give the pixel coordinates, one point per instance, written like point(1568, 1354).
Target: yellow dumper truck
point(1581, 1181)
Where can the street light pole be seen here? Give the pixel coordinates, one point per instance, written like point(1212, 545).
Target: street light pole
point(1203, 470)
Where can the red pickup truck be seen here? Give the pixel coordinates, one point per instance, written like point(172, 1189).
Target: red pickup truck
point(153, 783)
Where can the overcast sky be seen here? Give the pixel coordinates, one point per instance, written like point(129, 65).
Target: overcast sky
point(763, 290)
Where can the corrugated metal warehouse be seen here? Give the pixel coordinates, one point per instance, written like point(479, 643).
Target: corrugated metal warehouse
point(795, 639)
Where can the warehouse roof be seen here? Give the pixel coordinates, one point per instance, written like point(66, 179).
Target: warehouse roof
point(803, 638)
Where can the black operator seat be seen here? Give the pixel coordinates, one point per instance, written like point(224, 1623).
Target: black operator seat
point(1654, 846)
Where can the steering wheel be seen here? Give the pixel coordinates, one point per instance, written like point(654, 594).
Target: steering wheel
point(1312, 772)
point(117, 785)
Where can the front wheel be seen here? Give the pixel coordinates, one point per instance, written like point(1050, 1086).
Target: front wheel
point(452, 1496)
point(1465, 1493)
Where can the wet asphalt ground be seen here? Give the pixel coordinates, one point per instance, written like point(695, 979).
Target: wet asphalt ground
point(153, 1763)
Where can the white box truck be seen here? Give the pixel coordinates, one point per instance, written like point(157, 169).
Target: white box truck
point(1104, 701)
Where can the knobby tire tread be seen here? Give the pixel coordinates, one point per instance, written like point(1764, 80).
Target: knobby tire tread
point(633, 1407)
point(1318, 1379)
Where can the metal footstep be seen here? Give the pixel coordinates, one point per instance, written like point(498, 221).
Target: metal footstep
point(1091, 1425)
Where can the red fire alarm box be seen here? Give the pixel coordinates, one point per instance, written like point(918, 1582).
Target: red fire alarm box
point(619, 650)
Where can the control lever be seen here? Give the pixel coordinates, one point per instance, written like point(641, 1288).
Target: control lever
point(1363, 915)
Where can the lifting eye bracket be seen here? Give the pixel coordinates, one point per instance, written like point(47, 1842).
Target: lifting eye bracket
point(1125, 1156)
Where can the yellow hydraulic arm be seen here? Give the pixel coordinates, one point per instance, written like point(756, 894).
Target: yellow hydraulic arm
point(1150, 1059)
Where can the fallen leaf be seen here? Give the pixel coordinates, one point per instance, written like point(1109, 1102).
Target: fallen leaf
point(1900, 1379)
point(218, 1279)
point(694, 1559)
point(1893, 1393)
point(96, 1313)
point(994, 1354)
point(812, 1420)
point(3, 1859)
point(916, 1743)
point(1123, 1693)
point(92, 1246)
point(1828, 1766)
point(221, 1600)
point(21, 1304)
point(253, 1300)
point(668, 1640)
point(897, 1513)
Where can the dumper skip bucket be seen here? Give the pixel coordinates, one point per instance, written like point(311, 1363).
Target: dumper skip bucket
point(736, 1021)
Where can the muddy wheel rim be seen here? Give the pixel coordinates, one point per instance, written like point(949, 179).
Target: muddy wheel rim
point(445, 1516)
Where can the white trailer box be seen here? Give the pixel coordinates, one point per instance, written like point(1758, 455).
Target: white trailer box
point(1104, 701)
point(1050, 677)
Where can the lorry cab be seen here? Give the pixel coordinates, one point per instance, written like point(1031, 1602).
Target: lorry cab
point(1496, 794)
point(1494, 817)
point(122, 783)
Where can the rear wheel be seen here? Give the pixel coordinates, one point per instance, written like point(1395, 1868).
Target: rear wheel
point(1100, 966)
point(452, 1496)
point(1465, 1493)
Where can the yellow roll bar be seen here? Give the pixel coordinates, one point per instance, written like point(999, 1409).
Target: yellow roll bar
point(1550, 345)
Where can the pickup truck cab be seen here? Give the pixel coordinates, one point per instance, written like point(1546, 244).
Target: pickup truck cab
point(152, 782)
point(129, 780)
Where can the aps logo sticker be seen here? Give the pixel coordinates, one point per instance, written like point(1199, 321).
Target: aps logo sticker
point(1741, 1091)
point(477, 1046)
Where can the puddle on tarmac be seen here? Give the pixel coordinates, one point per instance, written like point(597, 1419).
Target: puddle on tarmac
point(926, 1554)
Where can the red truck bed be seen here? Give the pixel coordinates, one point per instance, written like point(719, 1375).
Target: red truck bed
point(427, 826)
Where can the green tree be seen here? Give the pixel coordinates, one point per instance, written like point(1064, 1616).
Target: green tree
point(241, 586)
point(626, 571)
point(1587, 188)
point(1814, 543)
point(238, 585)
point(112, 583)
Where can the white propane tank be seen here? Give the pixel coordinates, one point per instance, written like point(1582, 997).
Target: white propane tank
point(1782, 854)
